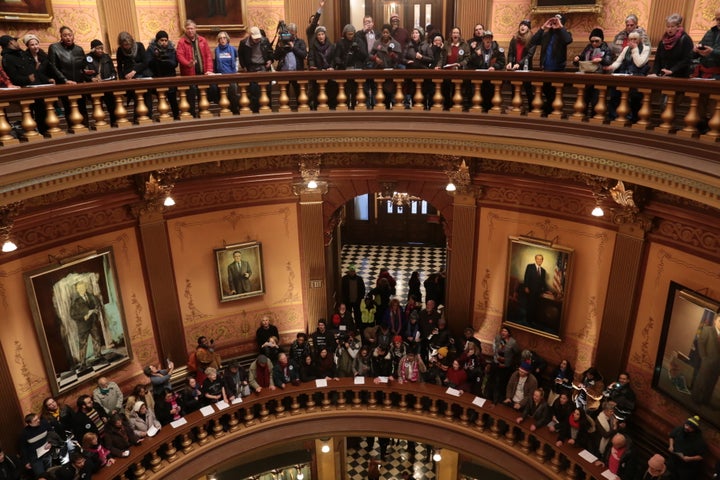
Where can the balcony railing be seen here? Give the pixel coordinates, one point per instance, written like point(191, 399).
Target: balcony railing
point(669, 106)
point(344, 408)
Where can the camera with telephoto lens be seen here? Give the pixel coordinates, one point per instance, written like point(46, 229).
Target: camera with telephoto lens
point(284, 35)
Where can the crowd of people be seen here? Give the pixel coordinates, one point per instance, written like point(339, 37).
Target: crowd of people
point(389, 47)
point(373, 335)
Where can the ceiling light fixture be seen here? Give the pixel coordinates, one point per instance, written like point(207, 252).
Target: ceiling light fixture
point(8, 213)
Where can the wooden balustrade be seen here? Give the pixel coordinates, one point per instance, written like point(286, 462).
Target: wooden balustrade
point(687, 108)
point(420, 405)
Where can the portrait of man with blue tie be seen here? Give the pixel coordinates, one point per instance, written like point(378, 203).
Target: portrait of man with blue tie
point(239, 270)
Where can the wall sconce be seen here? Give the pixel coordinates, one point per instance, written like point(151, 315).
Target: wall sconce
point(300, 475)
point(458, 178)
point(597, 211)
point(325, 445)
point(437, 456)
point(310, 170)
point(8, 213)
point(157, 189)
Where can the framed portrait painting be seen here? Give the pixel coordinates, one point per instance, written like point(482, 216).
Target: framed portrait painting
point(79, 319)
point(687, 368)
point(538, 276)
point(565, 6)
point(240, 271)
point(214, 15)
point(33, 11)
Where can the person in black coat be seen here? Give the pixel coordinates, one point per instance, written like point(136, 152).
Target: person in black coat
point(161, 59)
point(90, 417)
point(553, 38)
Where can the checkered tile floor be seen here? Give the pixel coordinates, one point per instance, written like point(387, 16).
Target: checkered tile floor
point(397, 460)
point(400, 260)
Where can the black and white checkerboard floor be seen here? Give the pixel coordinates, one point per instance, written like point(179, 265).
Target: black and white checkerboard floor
point(401, 261)
point(397, 460)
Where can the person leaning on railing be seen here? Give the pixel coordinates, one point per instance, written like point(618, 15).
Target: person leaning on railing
point(633, 60)
point(673, 57)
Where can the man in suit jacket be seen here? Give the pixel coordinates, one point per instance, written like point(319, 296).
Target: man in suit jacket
point(86, 310)
point(709, 371)
point(239, 273)
point(534, 286)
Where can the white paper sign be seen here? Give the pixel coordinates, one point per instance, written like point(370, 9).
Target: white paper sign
point(453, 391)
point(479, 401)
point(585, 455)
point(382, 379)
point(178, 423)
point(609, 475)
point(152, 431)
point(359, 380)
point(207, 410)
point(237, 400)
point(221, 405)
point(320, 382)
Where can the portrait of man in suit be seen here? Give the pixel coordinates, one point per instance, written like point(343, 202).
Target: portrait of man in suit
point(239, 273)
point(708, 348)
point(534, 285)
point(86, 311)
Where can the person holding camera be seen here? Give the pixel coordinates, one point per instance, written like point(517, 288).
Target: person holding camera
point(290, 54)
point(553, 39)
point(162, 61)
point(707, 52)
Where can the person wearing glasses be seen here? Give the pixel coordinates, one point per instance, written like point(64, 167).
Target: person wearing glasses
point(631, 25)
point(594, 57)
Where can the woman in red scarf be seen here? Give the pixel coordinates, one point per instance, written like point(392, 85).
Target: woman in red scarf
point(674, 54)
point(575, 430)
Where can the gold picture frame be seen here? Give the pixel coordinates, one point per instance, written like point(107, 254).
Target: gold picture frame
point(565, 6)
point(31, 11)
point(227, 15)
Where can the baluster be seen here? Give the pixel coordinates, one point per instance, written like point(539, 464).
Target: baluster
point(537, 102)
point(556, 462)
point(497, 97)
point(310, 404)
point(186, 443)
point(480, 423)
point(437, 97)
point(284, 99)
point(322, 96)
point(155, 462)
point(123, 476)
point(516, 108)
point(372, 401)
point(579, 107)
point(476, 96)
point(399, 96)
point(403, 403)
point(224, 101)
point(341, 96)
point(264, 412)
point(668, 114)
point(234, 422)
point(691, 117)
point(202, 435)
point(525, 444)
point(98, 113)
point(418, 99)
point(356, 401)
point(139, 471)
point(510, 435)
point(295, 405)
point(495, 429)
point(142, 114)
point(121, 113)
point(28, 122)
point(448, 413)
point(713, 135)
point(244, 100)
point(387, 401)
point(464, 417)
point(170, 452)
point(601, 105)
point(75, 118)
point(163, 106)
point(302, 99)
point(623, 109)
point(265, 99)
point(645, 110)
point(557, 105)
point(341, 401)
point(325, 401)
point(183, 104)
point(541, 453)
point(217, 428)
point(51, 119)
point(280, 410)
point(249, 418)
point(203, 104)
point(380, 96)
point(5, 127)
point(418, 408)
point(570, 473)
point(361, 97)
point(433, 408)
point(457, 99)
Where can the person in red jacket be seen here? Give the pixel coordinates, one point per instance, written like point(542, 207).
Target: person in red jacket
point(194, 57)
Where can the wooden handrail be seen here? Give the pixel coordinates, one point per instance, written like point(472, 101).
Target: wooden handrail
point(349, 408)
